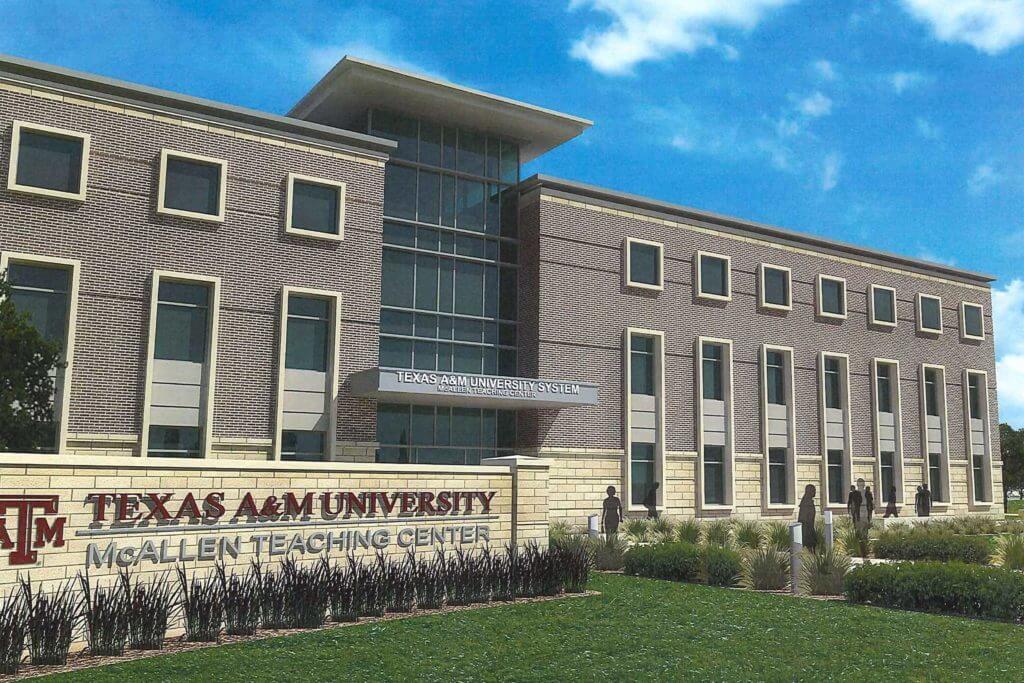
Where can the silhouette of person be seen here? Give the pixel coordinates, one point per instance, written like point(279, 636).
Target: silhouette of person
point(890, 506)
point(611, 513)
point(918, 503)
point(651, 501)
point(869, 502)
point(853, 503)
point(926, 501)
point(806, 517)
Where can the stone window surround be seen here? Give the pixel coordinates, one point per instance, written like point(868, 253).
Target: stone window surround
point(729, 451)
point(218, 217)
point(897, 404)
point(872, 319)
point(697, 259)
point(790, 388)
point(339, 233)
point(920, 317)
point(820, 303)
point(761, 301)
point(12, 175)
point(944, 415)
point(847, 427)
point(628, 282)
point(964, 336)
point(659, 384)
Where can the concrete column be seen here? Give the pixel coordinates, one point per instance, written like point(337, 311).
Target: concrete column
point(796, 545)
point(529, 497)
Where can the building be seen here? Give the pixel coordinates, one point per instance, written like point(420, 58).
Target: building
point(369, 280)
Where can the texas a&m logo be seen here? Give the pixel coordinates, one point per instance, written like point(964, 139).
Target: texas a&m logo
point(26, 524)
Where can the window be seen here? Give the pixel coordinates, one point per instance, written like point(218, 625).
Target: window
point(714, 475)
point(974, 395)
point(931, 392)
point(48, 161)
point(192, 186)
point(443, 435)
point(935, 476)
point(307, 376)
point(711, 367)
point(831, 297)
point(775, 287)
point(972, 324)
point(888, 472)
point(777, 476)
point(978, 469)
point(46, 290)
point(929, 314)
point(833, 383)
point(882, 304)
point(978, 444)
point(641, 358)
point(316, 207)
point(644, 264)
point(883, 387)
point(713, 276)
point(641, 471)
point(775, 376)
point(836, 489)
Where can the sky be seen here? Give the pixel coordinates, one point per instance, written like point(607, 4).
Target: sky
point(895, 124)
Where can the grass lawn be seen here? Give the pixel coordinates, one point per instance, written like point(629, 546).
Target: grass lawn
point(637, 629)
point(1013, 507)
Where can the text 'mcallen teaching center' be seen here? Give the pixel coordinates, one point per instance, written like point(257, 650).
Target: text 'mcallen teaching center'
point(369, 280)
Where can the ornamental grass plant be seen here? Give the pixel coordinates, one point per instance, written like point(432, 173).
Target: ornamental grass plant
point(717, 532)
point(764, 568)
point(202, 607)
point(822, 572)
point(151, 605)
point(1009, 552)
point(688, 531)
point(51, 620)
point(748, 533)
point(241, 595)
point(13, 633)
point(105, 612)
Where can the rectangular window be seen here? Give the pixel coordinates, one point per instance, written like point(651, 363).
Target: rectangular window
point(48, 161)
point(713, 276)
point(974, 395)
point(775, 376)
point(775, 287)
point(831, 297)
point(192, 186)
point(183, 323)
point(714, 475)
point(641, 358)
point(307, 380)
point(711, 368)
point(641, 471)
point(442, 435)
point(777, 476)
point(883, 305)
point(972, 321)
point(644, 264)
point(316, 207)
point(833, 384)
point(835, 477)
point(883, 386)
point(888, 473)
point(935, 476)
point(978, 468)
point(929, 314)
point(931, 392)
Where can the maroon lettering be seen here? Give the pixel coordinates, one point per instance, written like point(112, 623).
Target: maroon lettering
point(157, 509)
point(189, 507)
point(294, 507)
point(215, 509)
point(127, 504)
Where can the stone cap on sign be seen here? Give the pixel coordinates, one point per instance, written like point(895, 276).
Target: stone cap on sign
point(518, 461)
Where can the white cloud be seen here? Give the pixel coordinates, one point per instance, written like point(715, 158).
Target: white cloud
point(926, 254)
point(653, 30)
point(927, 129)
point(831, 166)
point(814, 105)
point(990, 26)
point(824, 69)
point(901, 81)
point(984, 177)
point(1008, 321)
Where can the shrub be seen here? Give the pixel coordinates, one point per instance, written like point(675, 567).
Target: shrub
point(927, 544)
point(720, 566)
point(1010, 551)
point(150, 605)
point(955, 587)
point(853, 540)
point(662, 529)
point(777, 535)
point(52, 618)
point(822, 572)
point(13, 616)
point(241, 596)
point(717, 532)
point(609, 553)
point(637, 529)
point(749, 533)
point(688, 531)
point(765, 569)
point(574, 557)
point(202, 605)
point(557, 531)
point(106, 617)
point(672, 561)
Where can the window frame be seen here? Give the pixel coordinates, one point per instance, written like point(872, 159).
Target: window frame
point(821, 312)
point(339, 231)
point(943, 410)
point(872, 318)
point(920, 314)
point(964, 336)
point(698, 259)
point(161, 208)
point(210, 362)
point(986, 419)
point(729, 454)
point(627, 245)
point(762, 291)
point(844, 393)
point(789, 391)
point(12, 174)
point(659, 402)
point(335, 301)
point(62, 403)
point(896, 403)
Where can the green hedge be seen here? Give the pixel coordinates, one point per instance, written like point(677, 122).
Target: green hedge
point(713, 565)
point(931, 544)
point(957, 588)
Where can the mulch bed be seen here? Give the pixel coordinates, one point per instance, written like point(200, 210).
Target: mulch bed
point(83, 660)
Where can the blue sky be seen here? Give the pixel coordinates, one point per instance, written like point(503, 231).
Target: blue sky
point(892, 123)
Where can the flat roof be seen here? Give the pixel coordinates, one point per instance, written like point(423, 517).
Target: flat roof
point(739, 226)
point(354, 85)
point(111, 89)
